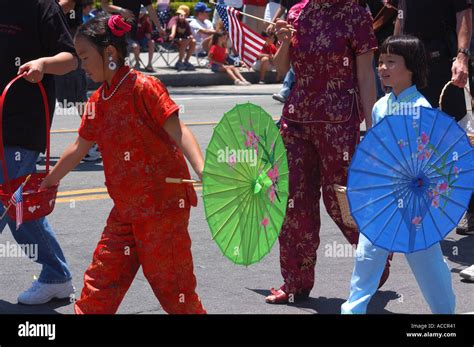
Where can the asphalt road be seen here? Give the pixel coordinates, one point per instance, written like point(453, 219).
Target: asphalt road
point(83, 207)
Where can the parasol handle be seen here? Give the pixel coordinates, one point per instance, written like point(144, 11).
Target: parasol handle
point(180, 180)
point(6, 210)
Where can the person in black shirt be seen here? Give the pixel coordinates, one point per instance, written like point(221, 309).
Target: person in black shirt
point(34, 40)
point(445, 27)
point(71, 88)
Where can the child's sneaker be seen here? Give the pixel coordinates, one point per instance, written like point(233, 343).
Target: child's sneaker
point(41, 293)
point(239, 83)
point(468, 274)
point(93, 154)
point(279, 97)
point(247, 83)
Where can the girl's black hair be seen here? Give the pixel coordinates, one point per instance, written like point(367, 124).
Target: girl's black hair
point(216, 36)
point(414, 53)
point(97, 32)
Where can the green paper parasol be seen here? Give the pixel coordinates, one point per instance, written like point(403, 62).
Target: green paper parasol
point(245, 184)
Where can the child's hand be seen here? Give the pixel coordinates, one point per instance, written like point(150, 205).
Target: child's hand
point(46, 184)
point(199, 173)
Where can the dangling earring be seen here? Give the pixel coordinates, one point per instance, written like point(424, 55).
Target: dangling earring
point(112, 64)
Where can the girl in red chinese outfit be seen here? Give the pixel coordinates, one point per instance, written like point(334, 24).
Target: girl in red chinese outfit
point(136, 125)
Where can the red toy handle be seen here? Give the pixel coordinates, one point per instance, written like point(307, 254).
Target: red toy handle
point(2, 151)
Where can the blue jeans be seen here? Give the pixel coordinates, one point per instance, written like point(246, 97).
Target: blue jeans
point(38, 232)
point(428, 266)
point(288, 83)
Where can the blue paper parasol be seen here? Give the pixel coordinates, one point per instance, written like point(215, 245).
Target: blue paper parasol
point(410, 180)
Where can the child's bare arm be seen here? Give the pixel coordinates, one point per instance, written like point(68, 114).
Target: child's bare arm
point(186, 141)
point(71, 157)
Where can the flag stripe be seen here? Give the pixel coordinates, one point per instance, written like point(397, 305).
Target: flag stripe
point(17, 201)
point(247, 43)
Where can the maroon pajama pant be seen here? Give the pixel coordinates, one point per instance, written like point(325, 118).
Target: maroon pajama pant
point(319, 155)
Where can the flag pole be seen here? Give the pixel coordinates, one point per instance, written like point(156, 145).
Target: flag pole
point(251, 16)
point(10, 204)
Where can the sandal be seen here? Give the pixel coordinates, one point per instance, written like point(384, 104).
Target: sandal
point(277, 297)
point(149, 69)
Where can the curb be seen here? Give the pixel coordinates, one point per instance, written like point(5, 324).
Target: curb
point(199, 79)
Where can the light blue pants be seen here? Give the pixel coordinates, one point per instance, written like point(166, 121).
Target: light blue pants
point(21, 162)
point(428, 266)
point(288, 83)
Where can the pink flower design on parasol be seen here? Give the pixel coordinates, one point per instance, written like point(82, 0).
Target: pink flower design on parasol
point(273, 174)
point(424, 138)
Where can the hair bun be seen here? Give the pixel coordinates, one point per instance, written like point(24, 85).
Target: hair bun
point(118, 26)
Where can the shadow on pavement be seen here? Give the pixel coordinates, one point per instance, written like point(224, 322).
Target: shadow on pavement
point(48, 308)
point(323, 305)
point(459, 251)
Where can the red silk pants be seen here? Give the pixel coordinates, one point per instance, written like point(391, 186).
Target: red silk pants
point(161, 246)
point(319, 155)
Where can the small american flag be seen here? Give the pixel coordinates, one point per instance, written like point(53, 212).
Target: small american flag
point(246, 42)
point(17, 201)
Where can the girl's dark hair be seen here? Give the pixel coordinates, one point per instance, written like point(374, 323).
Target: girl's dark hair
point(414, 53)
point(98, 33)
point(216, 36)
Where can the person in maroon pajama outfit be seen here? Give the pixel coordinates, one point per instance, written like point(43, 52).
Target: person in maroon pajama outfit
point(331, 51)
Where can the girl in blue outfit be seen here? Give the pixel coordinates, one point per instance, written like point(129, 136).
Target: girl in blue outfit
point(402, 66)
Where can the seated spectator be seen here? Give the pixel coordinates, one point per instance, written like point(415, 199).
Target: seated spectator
point(87, 10)
point(182, 35)
point(265, 59)
point(218, 57)
point(202, 27)
point(144, 40)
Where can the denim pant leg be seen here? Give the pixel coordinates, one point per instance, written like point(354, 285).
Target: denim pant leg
point(288, 83)
point(21, 162)
point(434, 279)
point(369, 265)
